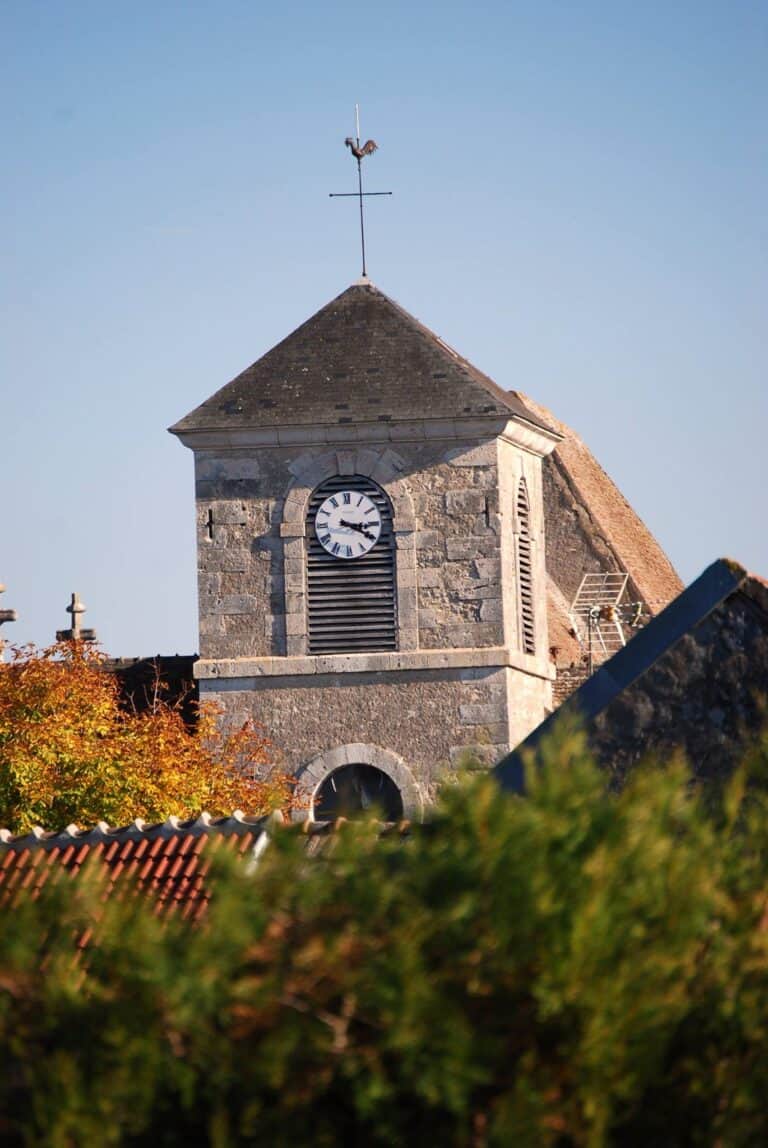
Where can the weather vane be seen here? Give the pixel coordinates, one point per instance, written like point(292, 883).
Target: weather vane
point(359, 152)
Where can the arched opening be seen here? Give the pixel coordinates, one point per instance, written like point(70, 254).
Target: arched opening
point(351, 598)
point(356, 790)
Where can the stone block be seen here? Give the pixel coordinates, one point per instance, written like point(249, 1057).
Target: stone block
point(474, 590)
point(472, 456)
point(487, 569)
point(234, 561)
point(429, 576)
point(228, 513)
point(295, 623)
point(427, 620)
point(235, 604)
point(491, 610)
point(295, 603)
point(211, 625)
point(465, 502)
point(208, 584)
point(477, 713)
point(407, 599)
point(232, 468)
point(470, 546)
point(293, 665)
point(293, 548)
point(428, 539)
point(471, 634)
point(346, 461)
point(366, 460)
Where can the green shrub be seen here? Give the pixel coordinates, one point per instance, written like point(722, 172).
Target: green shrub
point(570, 968)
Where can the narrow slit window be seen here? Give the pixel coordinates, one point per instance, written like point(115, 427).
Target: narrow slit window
point(525, 570)
point(351, 599)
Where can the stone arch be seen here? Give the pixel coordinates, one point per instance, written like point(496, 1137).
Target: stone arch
point(383, 466)
point(311, 775)
point(309, 470)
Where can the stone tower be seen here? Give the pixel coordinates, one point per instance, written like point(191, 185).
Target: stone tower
point(372, 580)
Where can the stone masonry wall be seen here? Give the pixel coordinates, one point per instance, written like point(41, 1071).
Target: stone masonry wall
point(574, 544)
point(435, 720)
point(454, 490)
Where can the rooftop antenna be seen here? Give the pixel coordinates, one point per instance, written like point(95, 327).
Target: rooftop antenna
point(600, 618)
point(359, 152)
point(76, 633)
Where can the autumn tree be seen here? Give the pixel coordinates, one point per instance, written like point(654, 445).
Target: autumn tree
point(70, 752)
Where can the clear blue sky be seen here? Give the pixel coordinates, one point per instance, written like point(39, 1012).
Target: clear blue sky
point(580, 208)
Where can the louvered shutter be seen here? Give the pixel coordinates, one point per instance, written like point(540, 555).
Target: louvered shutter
point(351, 603)
point(525, 570)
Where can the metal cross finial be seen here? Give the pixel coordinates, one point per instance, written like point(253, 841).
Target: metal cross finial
point(359, 152)
point(75, 633)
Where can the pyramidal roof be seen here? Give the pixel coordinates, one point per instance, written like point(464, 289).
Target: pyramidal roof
point(361, 358)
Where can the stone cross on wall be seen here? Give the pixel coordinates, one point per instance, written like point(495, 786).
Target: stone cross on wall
point(5, 616)
point(75, 633)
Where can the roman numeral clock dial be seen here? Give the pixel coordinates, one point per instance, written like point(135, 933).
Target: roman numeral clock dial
point(348, 524)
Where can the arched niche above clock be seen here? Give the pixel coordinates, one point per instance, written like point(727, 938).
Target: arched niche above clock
point(350, 567)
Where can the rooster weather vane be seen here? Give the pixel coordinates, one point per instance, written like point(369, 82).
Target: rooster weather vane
point(359, 152)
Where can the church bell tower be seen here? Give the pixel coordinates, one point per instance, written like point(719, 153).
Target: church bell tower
point(370, 548)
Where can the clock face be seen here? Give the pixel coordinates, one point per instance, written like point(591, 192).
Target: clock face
point(348, 524)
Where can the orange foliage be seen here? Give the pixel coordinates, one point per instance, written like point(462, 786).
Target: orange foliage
point(70, 754)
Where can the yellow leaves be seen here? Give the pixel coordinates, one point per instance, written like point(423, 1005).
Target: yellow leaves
point(70, 753)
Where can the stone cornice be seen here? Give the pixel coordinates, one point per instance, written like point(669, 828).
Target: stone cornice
point(528, 435)
point(492, 657)
point(535, 439)
point(332, 434)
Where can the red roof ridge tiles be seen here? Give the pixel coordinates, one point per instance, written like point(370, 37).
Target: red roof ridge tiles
point(235, 823)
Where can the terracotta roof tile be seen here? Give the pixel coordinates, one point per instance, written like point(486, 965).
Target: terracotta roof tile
point(167, 862)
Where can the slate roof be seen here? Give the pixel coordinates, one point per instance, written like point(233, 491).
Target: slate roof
point(359, 359)
point(169, 861)
point(694, 678)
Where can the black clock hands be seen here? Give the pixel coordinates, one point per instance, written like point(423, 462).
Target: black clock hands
point(359, 527)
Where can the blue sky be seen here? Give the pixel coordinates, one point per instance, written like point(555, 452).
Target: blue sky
point(579, 208)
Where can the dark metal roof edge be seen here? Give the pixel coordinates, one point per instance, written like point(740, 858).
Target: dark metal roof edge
point(685, 611)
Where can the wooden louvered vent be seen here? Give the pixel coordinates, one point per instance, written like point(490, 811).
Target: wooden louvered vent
point(351, 603)
point(525, 570)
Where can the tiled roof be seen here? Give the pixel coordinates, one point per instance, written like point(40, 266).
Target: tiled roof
point(360, 359)
point(168, 861)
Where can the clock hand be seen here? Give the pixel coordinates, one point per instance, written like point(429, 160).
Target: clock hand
point(359, 527)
